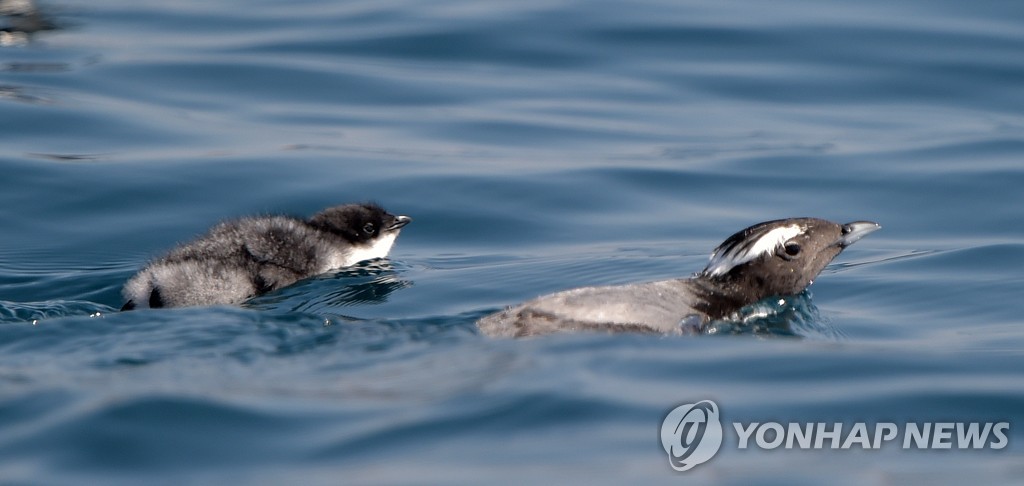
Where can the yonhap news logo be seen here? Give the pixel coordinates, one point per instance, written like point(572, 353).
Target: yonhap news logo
point(692, 434)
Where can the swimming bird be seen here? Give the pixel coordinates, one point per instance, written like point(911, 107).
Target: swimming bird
point(240, 259)
point(773, 258)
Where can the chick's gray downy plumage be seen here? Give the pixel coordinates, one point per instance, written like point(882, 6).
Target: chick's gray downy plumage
point(243, 258)
point(774, 258)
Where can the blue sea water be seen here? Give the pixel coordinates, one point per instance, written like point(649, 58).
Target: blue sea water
point(538, 146)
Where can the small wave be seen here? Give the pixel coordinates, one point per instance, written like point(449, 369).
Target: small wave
point(795, 316)
point(36, 311)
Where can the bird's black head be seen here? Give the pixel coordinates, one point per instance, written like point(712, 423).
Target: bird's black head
point(779, 257)
point(359, 223)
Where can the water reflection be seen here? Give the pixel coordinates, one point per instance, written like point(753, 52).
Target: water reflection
point(19, 19)
point(368, 283)
point(23, 95)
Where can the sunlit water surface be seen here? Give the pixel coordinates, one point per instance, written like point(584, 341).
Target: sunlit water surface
point(538, 146)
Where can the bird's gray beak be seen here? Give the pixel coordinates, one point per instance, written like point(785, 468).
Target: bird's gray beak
point(399, 222)
point(855, 231)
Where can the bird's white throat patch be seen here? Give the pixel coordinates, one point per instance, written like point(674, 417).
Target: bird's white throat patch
point(737, 252)
point(378, 248)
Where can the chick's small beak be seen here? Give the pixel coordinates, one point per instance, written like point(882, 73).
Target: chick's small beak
point(399, 222)
point(855, 231)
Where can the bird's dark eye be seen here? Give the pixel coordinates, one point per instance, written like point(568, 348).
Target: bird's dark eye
point(792, 249)
point(368, 228)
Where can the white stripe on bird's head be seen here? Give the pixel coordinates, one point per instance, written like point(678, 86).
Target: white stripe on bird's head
point(740, 249)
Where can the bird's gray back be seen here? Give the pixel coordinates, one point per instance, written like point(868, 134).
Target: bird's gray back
point(280, 240)
point(644, 307)
point(233, 261)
